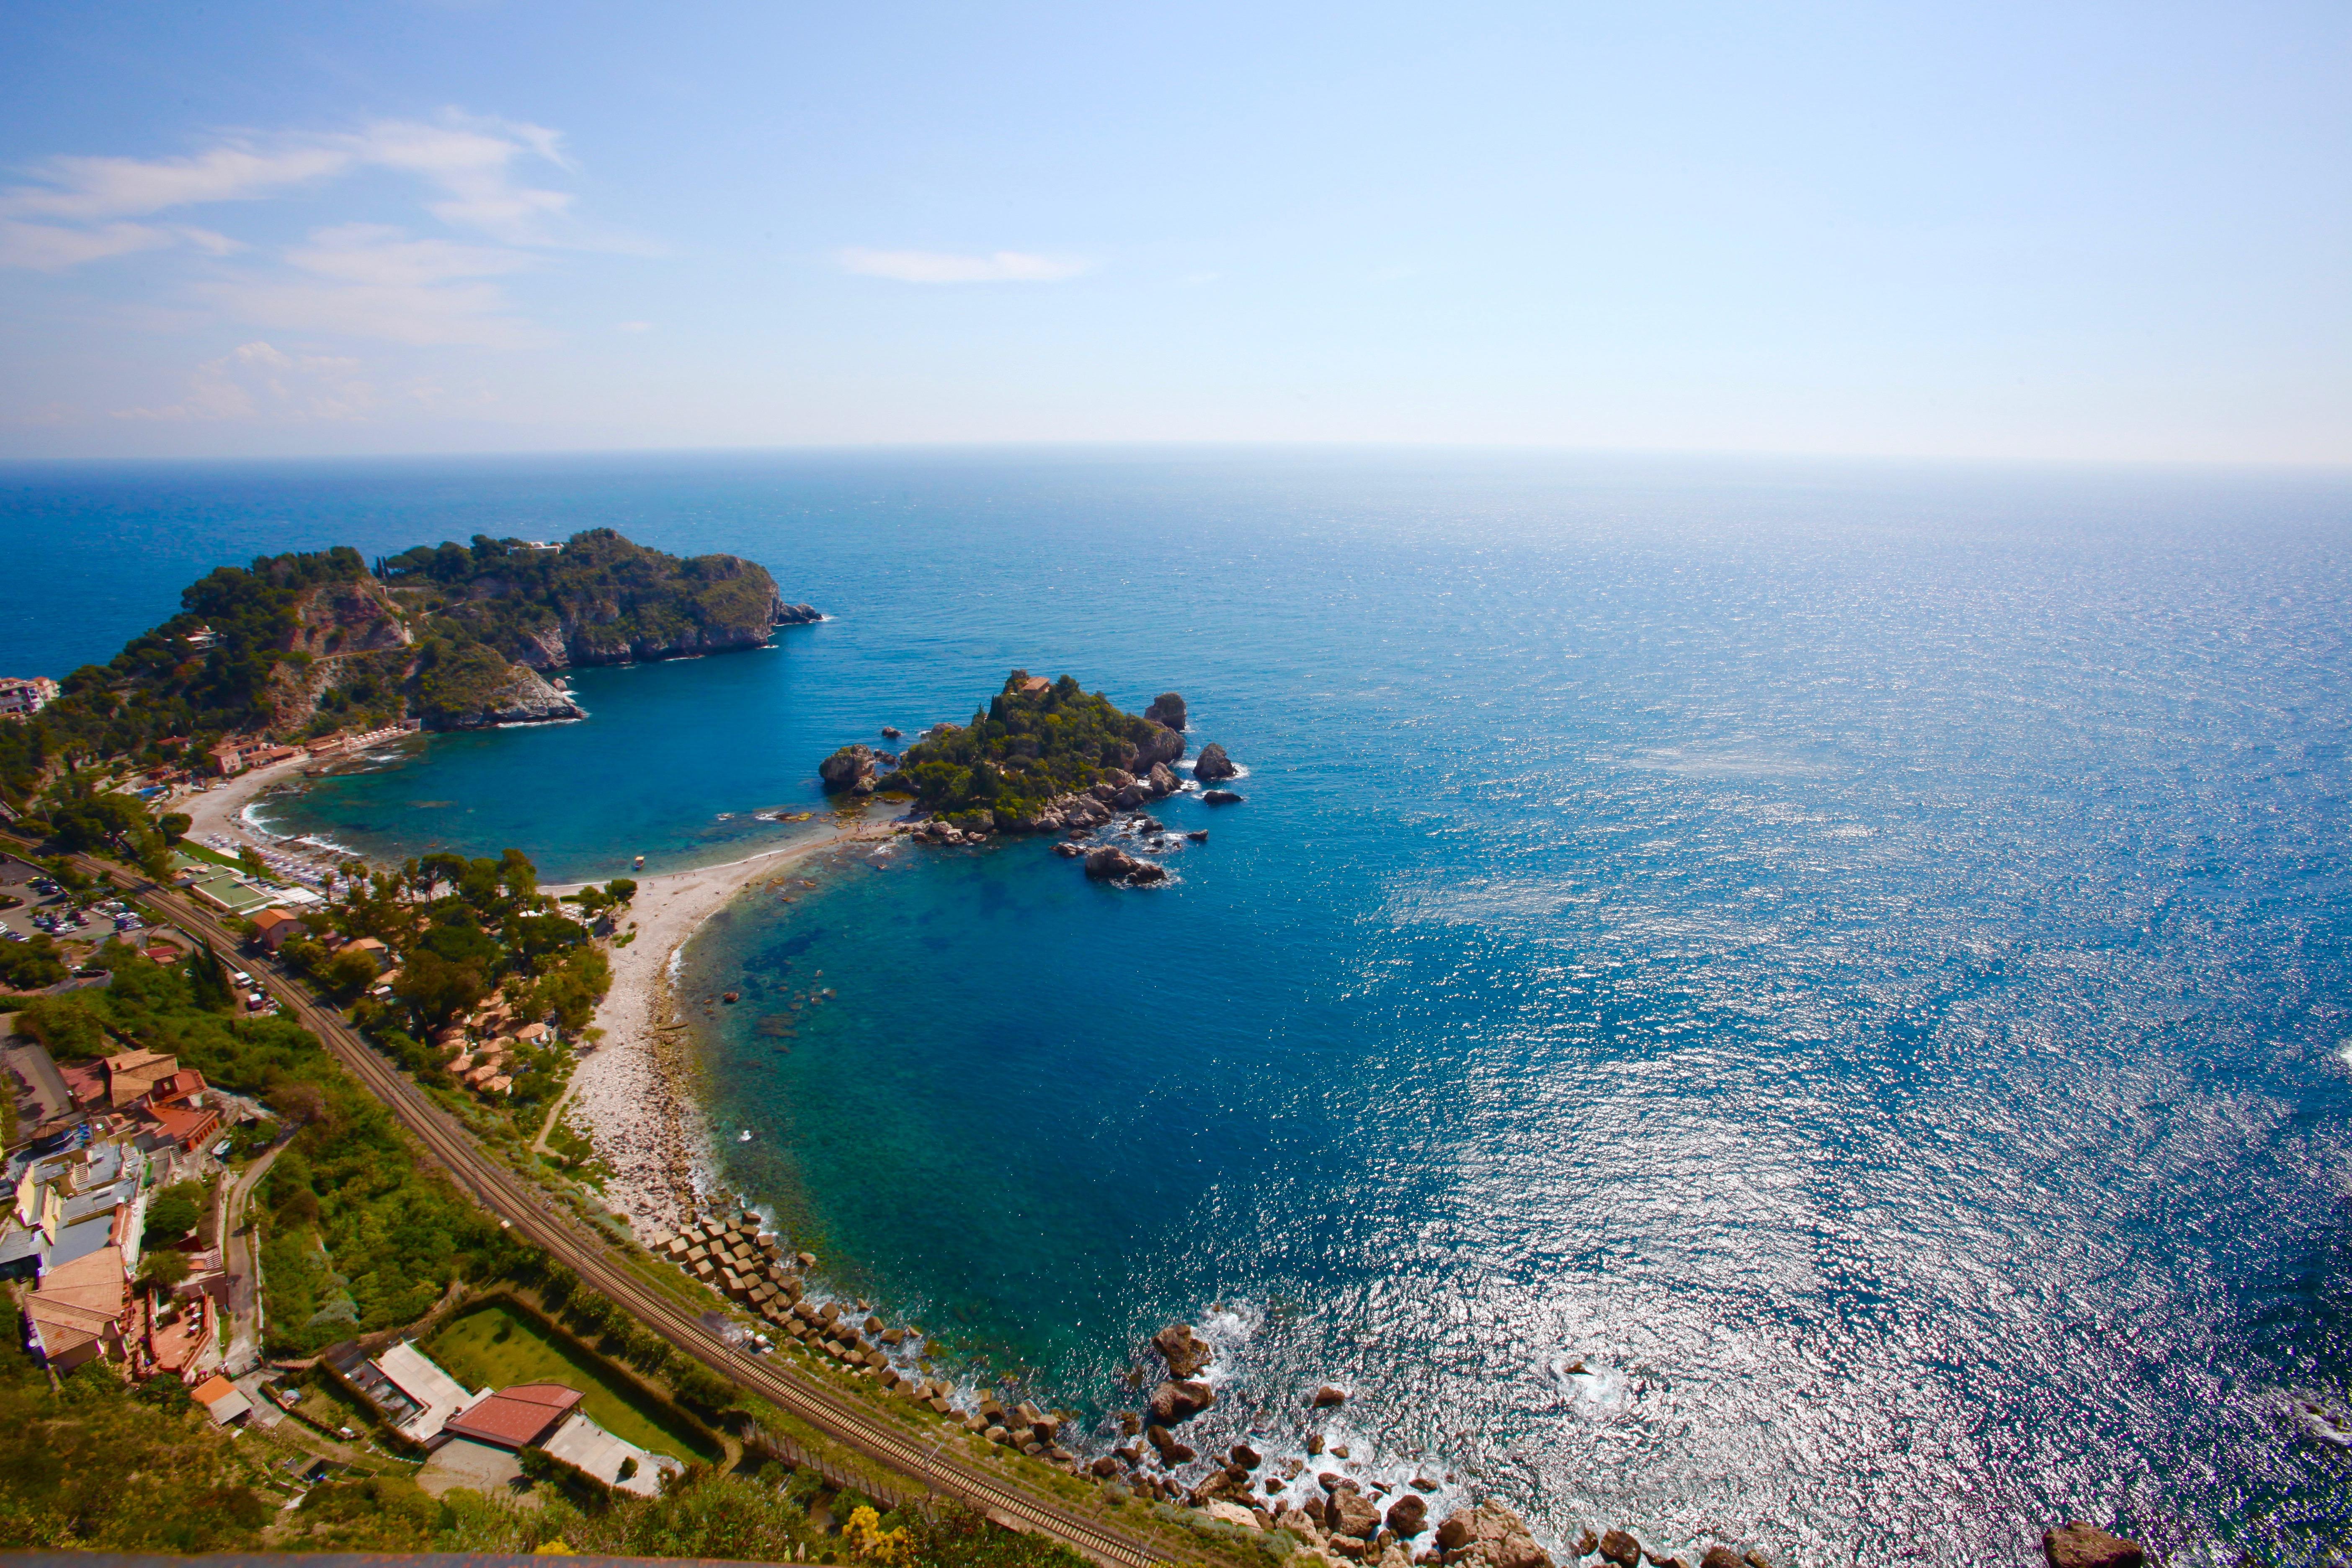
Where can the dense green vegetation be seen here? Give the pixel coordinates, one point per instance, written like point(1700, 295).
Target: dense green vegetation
point(306, 643)
point(29, 965)
point(601, 598)
point(1027, 747)
point(164, 688)
point(174, 1212)
point(101, 1466)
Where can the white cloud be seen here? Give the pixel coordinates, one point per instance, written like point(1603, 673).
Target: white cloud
point(374, 282)
point(941, 267)
point(47, 247)
point(92, 188)
point(471, 162)
point(259, 381)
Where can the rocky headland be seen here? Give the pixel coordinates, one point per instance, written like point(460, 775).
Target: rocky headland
point(455, 637)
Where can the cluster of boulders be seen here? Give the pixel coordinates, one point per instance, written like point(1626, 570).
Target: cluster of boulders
point(1342, 1519)
point(1023, 1426)
point(734, 1256)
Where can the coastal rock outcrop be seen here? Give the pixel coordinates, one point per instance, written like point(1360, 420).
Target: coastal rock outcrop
point(1409, 1515)
point(1157, 747)
point(1221, 797)
point(1179, 1400)
point(2078, 1545)
point(1168, 710)
point(1495, 1537)
point(1114, 865)
point(1213, 764)
point(1185, 1351)
point(472, 689)
point(849, 771)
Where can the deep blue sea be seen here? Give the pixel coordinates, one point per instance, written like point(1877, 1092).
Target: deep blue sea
point(1855, 956)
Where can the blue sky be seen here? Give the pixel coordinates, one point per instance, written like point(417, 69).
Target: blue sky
point(2074, 231)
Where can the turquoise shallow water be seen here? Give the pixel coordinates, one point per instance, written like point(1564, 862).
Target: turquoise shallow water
point(1853, 956)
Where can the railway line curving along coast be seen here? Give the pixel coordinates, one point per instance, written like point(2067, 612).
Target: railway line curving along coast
point(591, 1258)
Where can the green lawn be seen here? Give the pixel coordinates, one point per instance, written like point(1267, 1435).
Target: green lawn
point(492, 1347)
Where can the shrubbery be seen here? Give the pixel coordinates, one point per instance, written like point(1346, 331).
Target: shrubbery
point(1029, 746)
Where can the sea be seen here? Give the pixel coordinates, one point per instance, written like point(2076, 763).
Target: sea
point(1794, 1003)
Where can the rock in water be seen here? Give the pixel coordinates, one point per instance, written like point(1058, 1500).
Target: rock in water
point(1722, 1557)
point(1353, 1513)
point(1161, 782)
point(1186, 1351)
point(1409, 1515)
point(1328, 1396)
point(1221, 797)
point(2078, 1545)
point(1622, 1549)
point(891, 731)
point(1168, 708)
point(1213, 764)
point(1175, 1401)
point(1159, 746)
point(848, 771)
point(1109, 863)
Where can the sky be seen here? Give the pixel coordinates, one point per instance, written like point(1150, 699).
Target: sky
point(2073, 231)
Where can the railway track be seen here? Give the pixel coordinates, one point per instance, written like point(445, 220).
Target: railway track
point(589, 1255)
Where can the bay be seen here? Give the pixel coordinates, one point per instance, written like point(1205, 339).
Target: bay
point(1852, 955)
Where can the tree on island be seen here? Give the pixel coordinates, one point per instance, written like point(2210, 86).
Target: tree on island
point(1036, 739)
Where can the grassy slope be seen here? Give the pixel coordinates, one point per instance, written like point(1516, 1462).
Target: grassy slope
point(493, 1347)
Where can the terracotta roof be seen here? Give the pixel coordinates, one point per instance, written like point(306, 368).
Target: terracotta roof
point(270, 919)
point(179, 1085)
point(131, 1061)
point(135, 1073)
point(516, 1417)
point(94, 1283)
point(79, 1303)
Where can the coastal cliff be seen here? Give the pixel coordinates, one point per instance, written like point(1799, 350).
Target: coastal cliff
point(598, 599)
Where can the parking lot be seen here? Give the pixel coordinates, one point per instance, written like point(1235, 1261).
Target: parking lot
point(38, 906)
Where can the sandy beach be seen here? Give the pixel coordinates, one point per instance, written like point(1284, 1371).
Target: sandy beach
point(631, 1090)
point(220, 810)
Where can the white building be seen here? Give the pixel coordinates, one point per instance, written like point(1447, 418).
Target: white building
point(21, 697)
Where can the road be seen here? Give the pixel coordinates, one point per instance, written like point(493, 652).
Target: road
point(531, 1212)
point(242, 1259)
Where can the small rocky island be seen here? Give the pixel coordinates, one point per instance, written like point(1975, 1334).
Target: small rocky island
point(1044, 757)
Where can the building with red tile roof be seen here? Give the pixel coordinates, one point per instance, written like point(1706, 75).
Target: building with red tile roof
point(517, 1418)
point(132, 1076)
point(273, 928)
point(76, 1311)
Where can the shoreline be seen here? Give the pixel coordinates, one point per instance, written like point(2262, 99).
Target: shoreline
point(220, 810)
point(634, 1089)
